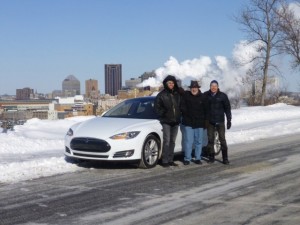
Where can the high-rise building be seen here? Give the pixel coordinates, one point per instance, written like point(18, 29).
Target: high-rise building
point(147, 75)
point(24, 94)
point(70, 86)
point(57, 93)
point(113, 78)
point(132, 83)
point(91, 89)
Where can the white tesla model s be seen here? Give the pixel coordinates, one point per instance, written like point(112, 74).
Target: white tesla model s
point(129, 131)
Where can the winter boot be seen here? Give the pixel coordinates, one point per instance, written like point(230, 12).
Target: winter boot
point(211, 158)
point(225, 156)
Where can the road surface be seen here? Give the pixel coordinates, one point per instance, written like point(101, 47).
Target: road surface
point(261, 186)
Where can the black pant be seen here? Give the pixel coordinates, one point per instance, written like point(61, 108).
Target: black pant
point(211, 138)
point(169, 138)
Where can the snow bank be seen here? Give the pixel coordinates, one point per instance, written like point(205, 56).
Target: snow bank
point(36, 148)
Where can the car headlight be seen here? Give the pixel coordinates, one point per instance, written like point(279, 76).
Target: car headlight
point(70, 132)
point(125, 135)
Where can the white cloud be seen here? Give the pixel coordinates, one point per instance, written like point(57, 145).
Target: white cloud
point(296, 8)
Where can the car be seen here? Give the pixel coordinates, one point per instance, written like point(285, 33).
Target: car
point(130, 131)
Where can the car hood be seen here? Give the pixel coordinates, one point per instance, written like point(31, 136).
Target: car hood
point(105, 127)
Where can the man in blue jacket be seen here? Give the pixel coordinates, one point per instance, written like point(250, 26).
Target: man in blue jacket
point(218, 105)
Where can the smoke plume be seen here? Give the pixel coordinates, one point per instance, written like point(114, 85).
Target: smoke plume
point(204, 69)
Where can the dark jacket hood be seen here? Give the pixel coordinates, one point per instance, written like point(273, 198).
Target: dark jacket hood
point(170, 78)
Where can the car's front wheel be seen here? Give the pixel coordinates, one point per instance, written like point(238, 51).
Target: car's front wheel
point(217, 143)
point(150, 152)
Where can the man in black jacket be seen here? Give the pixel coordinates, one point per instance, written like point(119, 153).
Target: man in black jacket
point(218, 105)
point(167, 106)
point(193, 121)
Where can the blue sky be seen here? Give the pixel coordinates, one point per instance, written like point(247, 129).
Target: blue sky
point(44, 41)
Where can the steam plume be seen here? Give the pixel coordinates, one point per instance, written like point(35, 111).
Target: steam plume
point(205, 69)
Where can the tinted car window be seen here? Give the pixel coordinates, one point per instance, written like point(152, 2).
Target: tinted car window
point(134, 108)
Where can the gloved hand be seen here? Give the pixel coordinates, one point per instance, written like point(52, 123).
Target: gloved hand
point(228, 125)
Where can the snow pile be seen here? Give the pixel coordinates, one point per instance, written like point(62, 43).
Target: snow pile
point(253, 123)
point(36, 149)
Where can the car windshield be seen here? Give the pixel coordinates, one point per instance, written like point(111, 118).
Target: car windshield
point(133, 108)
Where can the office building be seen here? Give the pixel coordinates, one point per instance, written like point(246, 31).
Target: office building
point(70, 86)
point(113, 78)
point(147, 75)
point(91, 89)
point(24, 94)
point(57, 93)
point(132, 83)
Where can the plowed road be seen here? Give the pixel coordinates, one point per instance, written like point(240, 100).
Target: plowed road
point(261, 186)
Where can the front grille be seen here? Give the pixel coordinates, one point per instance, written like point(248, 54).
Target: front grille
point(91, 156)
point(89, 145)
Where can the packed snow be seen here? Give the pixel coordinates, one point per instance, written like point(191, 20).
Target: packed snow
point(36, 149)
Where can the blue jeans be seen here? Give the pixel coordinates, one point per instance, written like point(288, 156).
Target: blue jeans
point(192, 136)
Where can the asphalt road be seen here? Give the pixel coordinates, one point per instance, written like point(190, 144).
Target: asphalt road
point(261, 186)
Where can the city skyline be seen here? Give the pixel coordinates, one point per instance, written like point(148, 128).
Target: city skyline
point(44, 41)
point(90, 85)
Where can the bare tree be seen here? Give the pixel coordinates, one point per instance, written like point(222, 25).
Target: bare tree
point(260, 21)
point(290, 31)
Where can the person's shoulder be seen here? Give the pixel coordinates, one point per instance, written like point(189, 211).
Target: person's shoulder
point(162, 91)
point(159, 93)
point(206, 93)
point(222, 93)
point(186, 93)
point(202, 95)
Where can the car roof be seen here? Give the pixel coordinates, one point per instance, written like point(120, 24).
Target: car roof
point(141, 98)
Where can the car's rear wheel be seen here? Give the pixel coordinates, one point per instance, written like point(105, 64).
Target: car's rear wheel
point(150, 152)
point(217, 143)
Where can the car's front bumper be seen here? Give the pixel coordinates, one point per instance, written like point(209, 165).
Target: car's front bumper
point(108, 150)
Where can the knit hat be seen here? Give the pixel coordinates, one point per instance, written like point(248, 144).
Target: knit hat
point(214, 81)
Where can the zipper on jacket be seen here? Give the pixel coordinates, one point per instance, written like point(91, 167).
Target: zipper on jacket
point(174, 111)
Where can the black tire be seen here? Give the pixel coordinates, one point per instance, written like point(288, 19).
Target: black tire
point(217, 144)
point(150, 152)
